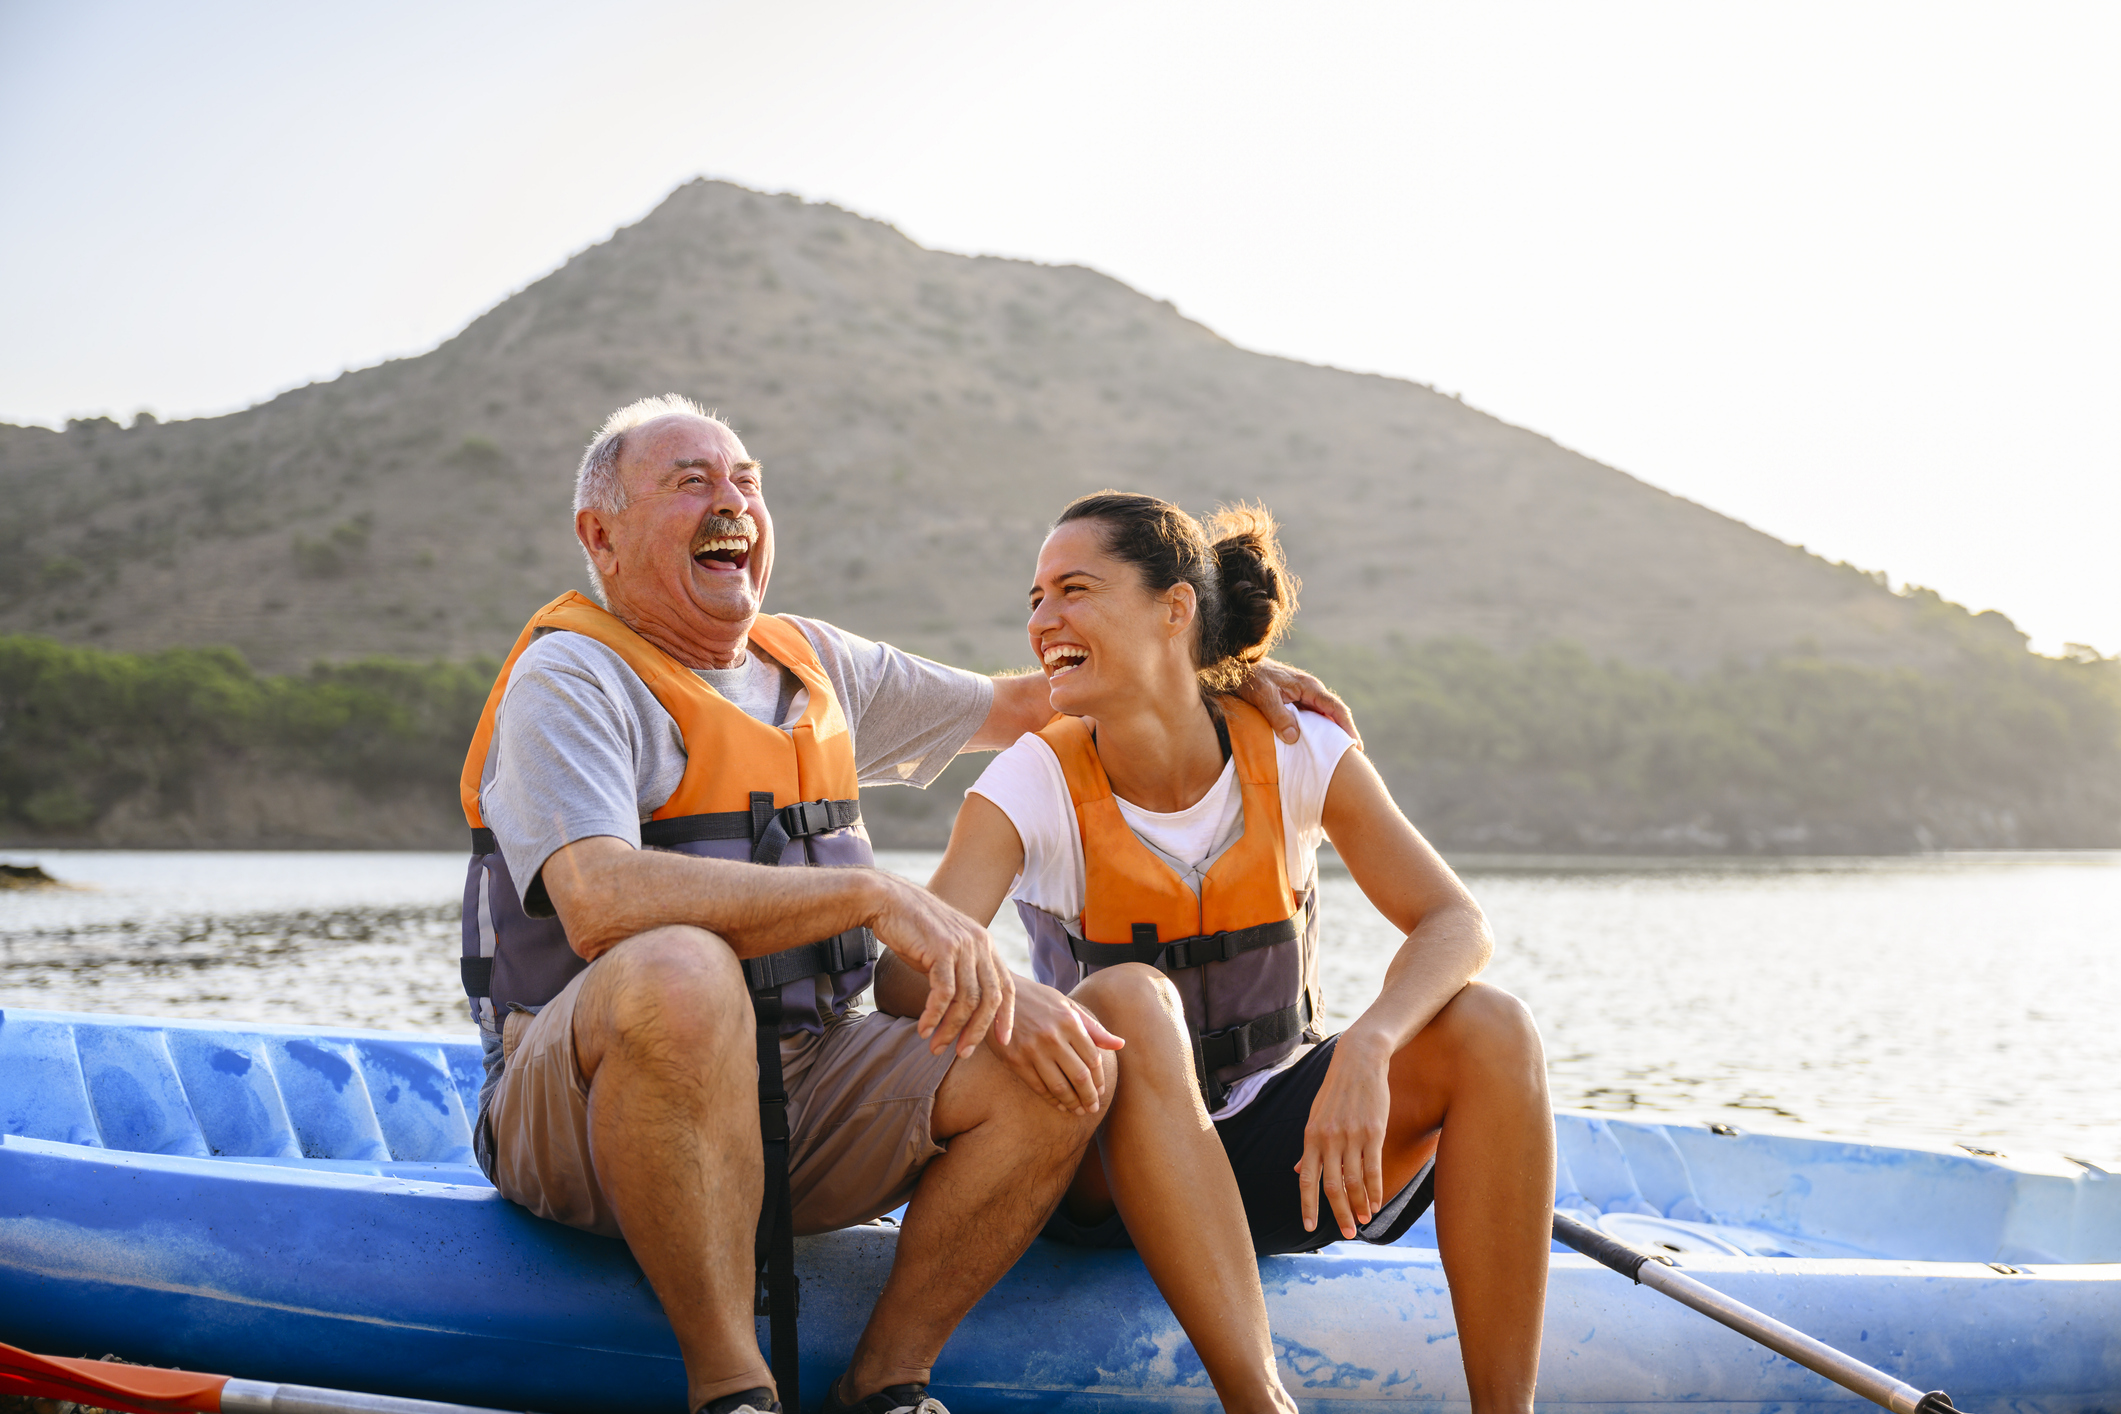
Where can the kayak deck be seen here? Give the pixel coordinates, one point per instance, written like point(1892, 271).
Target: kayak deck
point(300, 1204)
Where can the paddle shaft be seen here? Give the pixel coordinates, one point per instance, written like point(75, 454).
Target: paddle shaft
point(258, 1397)
point(1656, 1272)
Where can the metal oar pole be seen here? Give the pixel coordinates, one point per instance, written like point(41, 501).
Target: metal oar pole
point(257, 1397)
point(1649, 1269)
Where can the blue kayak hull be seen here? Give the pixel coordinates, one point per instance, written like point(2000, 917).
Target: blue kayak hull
point(401, 1271)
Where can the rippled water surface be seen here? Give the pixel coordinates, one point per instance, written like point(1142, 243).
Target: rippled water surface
point(1967, 999)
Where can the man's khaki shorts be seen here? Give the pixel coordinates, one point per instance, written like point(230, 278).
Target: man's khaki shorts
point(860, 1099)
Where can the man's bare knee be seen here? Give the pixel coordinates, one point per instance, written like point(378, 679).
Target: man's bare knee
point(671, 990)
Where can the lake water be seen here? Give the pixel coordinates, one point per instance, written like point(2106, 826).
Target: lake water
point(1965, 999)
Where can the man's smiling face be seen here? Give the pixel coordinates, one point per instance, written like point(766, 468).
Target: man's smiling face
point(688, 558)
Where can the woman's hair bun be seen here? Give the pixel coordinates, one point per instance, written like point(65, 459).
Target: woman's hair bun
point(1258, 590)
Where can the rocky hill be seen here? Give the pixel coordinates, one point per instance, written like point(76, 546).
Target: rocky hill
point(1548, 653)
point(921, 417)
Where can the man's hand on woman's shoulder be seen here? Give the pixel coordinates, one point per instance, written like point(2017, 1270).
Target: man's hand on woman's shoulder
point(1277, 690)
point(1021, 704)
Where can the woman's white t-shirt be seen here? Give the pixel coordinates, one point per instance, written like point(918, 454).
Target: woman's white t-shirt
point(1026, 783)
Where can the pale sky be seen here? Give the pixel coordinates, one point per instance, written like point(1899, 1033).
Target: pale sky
point(1845, 271)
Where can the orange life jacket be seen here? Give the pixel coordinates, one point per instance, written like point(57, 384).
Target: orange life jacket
point(751, 791)
point(1242, 952)
point(813, 760)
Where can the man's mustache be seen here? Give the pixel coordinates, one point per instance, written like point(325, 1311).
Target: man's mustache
point(725, 528)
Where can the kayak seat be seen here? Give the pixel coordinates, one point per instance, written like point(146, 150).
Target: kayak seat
point(1606, 1168)
point(208, 1090)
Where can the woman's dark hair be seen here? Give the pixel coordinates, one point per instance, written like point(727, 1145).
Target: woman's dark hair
point(1244, 589)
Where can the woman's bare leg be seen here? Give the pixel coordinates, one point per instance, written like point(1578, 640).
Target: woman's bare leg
point(1171, 1181)
point(1477, 1074)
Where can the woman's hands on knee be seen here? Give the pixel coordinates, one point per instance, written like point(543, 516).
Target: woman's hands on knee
point(1054, 1048)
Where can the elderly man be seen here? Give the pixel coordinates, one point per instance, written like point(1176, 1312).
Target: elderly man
point(670, 1044)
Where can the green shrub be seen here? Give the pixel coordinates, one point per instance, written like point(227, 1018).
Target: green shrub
point(82, 729)
point(1553, 749)
point(1548, 750)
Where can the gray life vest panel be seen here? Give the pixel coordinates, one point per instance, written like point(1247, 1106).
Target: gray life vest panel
point(1247, 1007)
point(518, 956)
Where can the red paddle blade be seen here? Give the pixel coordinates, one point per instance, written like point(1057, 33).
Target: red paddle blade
point(139, 1389)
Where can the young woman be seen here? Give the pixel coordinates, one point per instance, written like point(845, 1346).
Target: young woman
point(1160, 844)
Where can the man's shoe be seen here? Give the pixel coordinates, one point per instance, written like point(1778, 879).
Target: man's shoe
point(744, 1401)
point(891, 1399)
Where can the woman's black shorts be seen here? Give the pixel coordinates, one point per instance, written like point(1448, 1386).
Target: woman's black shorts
point(1265, 1141)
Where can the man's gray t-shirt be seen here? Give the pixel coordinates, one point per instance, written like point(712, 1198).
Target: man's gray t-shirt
point(581, 747)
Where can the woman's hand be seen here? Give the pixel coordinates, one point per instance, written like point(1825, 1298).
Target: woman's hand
point(1344, 1140)
point(1054, 1047)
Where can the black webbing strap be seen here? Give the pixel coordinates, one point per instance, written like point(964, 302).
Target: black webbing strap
point(771, 829)
point(1186, 952)
point(773, 1248)
point(1221, 947)
point(685, 829)
point(1236, 1043)
point(477, 973)
point(842, 952)
point(1216, 1049)
point(768, 829)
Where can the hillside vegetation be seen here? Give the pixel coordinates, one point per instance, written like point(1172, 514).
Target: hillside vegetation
point(1549, 751)
point(190, 747)
point(1797, 755)
point(1546, 652)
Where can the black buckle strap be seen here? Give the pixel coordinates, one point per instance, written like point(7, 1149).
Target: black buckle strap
point(773, 1095)
point(794, 822)
point(477, 973)
point(1144, 948)
point(1217, 1049)
point(1186, 952)
point(1221, 947)
point(842, 952)
point(771, 830)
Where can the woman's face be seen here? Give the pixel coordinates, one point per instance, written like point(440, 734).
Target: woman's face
point(1100, 634)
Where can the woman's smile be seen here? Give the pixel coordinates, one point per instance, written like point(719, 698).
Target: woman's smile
point(1062, 658)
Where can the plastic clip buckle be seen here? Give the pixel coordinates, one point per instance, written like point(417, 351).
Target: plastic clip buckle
point(773, 1121)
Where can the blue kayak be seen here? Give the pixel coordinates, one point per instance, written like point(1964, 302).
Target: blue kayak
point(299, 1204)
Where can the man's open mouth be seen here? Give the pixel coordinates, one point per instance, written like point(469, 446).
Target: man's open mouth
point(733, 551)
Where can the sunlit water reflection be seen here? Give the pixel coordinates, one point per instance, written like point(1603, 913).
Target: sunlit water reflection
point(1966, 999)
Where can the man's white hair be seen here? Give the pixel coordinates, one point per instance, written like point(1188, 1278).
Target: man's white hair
point(597, 484)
